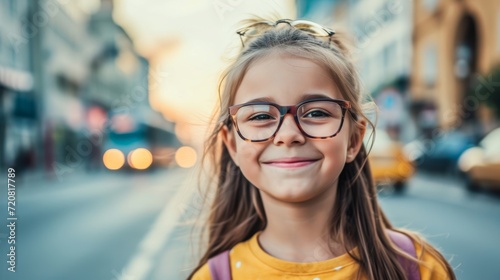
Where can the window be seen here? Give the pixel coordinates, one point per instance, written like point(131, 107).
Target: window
point(430, 65)
point(430, 5)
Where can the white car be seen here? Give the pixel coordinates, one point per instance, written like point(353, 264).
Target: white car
point(481, 164)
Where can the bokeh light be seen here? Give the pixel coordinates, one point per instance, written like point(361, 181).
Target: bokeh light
point(185, 157)
point(140, 158)
point(113, 159)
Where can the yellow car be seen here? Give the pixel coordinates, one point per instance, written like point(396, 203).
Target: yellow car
point(389, 164)
point(481, 164)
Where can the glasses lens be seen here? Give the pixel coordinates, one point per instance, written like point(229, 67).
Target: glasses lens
point(310, 27)
point(256, 29)
point(320, 118)
point(316, 118)
point(257, 122)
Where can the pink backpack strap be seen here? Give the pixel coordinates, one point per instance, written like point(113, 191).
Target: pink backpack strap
point(405, 243)
point(220, 267)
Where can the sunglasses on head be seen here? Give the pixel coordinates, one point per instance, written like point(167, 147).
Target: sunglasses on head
point(309, 27)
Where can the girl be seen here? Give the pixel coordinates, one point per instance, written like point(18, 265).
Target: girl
point(295, 197)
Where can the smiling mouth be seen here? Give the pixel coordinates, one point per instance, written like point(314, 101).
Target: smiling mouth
point(291, 164)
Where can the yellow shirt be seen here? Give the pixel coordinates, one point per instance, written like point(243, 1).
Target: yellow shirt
point(249, 261)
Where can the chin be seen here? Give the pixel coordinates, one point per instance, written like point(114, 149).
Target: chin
point(293, 194)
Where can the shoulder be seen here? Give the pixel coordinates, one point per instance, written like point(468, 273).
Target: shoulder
point(240, 253)
point(433, 265)
point(203, 273)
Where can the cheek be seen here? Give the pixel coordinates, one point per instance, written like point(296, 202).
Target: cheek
point(335, 153)
point(246, 149)
point(248, 155)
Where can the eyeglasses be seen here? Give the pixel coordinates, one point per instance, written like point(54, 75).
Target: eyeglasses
point(309, 27)
point(320, 118)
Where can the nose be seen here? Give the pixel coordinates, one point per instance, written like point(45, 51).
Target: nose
point(289, 133)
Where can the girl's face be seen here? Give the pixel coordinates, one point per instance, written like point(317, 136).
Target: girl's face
point(290, 167)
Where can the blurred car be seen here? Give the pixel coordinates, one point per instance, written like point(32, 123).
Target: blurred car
point(388, 163)
point(137, 144)
point(481, 163)
point(440, 154)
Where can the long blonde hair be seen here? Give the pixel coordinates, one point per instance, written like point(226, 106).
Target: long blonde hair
point(237, 211)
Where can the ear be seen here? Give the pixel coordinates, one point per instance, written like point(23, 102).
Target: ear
point(230, 142)
point(356, 140)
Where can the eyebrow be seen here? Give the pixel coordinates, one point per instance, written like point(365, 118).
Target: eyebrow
point(306, 96)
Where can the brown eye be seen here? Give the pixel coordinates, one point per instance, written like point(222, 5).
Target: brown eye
point(317, 114)
point(260, 117)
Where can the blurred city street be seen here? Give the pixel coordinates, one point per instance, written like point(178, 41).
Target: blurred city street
point(90, 227)
point(93, 227)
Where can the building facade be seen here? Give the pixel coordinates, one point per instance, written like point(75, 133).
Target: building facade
point(382, 30)
point(456, 45)
point(382, 34)
point(61, 50)
point(63, 71)
point(17, 98)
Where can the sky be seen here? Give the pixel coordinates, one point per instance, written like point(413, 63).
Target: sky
point(188, 43)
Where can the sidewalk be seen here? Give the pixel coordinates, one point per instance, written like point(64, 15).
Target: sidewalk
point(164, 252)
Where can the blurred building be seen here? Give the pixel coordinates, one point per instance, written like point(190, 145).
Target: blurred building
point(117, 93)
point(117, 82)
point(453, 42)
point(61, 51)
point(382, 33)
point(381, 30)
point(17, 98)
point(319, 11)
point(116, 68)
point(64, 71)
